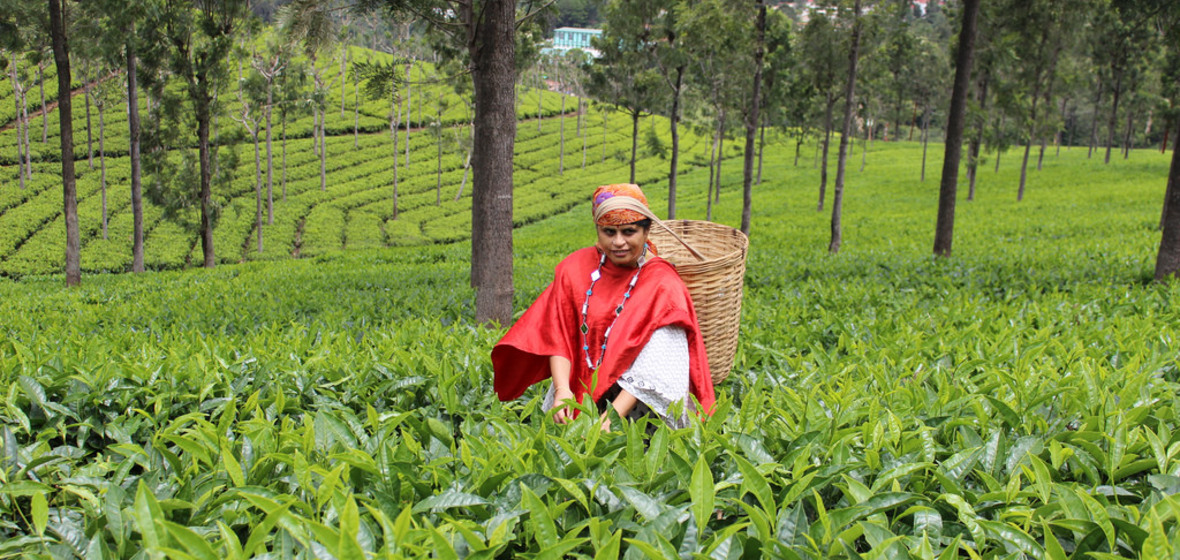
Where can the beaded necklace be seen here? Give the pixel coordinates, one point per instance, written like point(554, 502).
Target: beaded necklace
point(585, 328)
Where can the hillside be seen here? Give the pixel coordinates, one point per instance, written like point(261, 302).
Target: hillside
point(356, 209)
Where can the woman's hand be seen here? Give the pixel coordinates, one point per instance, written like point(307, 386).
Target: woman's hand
point(563, 401)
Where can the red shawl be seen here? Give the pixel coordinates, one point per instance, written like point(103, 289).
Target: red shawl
point(550, 327)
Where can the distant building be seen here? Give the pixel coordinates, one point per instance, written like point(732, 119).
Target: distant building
point(567, 38)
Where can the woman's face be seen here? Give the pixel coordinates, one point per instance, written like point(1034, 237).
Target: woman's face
point(622, 244)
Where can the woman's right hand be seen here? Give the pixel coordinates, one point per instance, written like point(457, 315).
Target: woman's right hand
point(563, 401)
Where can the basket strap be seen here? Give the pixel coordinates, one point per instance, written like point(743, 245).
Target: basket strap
point(628, 203)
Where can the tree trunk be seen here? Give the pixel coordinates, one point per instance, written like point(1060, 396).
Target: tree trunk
point(283, 163)
point(864, 149)
point(1171, 185)
point(925, 139)
point(44, 112)
point(761, 148)
point(585, 133)
point(561, 136)
point(203, 149)
point(540, 98)
point(944, 230)
point(976, 144)
point(604, 130)
point(1167, 261)
point(1114, 111)
point(1029, 140)
point(356, 115)
point(438, 170)
point(409, 107)
point(466, 173)
point(102, 164)
point(674, 126)
point(845, 131)
point(394, 122)
point(24, 104)
point(61, 59)
point(823, 168)
point(720, 156)
point(343, 81)
point(1059, 139)
point(712, 175)
point(1129, 134)
point(1094, 121)
point(634, 141)
point(133, 141)
point(257, 187)
point(21, 151)
point(323, 149)
point(270, 168)
point(89, 136)
point(494, 75)
point(752, 118)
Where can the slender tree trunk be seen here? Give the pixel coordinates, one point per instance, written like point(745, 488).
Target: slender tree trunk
point(1129, 134)
point(1059, 139)
point(283, 163)
point(343, 81)
point(102, 164)
point(864, 148)
point(1167, 261)
point(674, 126)
point(1094, 121)
point(1114, 111)
point(438, 172)
point(394, 122)
point(604, 130)
point(540, 99)
point(761, 149)
point(913, 118)
point(925, 136)
point(1172, 179)
point(323, 149)
point(133, 141)
point(798, 149)
point(409, 115)
point(203, 120)
point(61, 59)
point(89, 136)
point(845, 132)
point(720, 157)
point(752, 117)
point(466, 173)
point(21, 150)
point(270, 168)
point(944, 230)
point(712, 175)
point(257, 187)
point(561, 135)
point(44, 113)
point(823, 168)
point(585, 133)
point(356, 114)
point(634, 140)
point(24, 103)
point(493, 68)
point(1029, 140)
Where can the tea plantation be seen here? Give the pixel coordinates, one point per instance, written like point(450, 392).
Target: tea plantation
point(1016, 400)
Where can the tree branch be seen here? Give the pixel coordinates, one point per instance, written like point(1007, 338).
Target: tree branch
point(532, 14)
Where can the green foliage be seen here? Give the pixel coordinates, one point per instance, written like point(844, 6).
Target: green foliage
point(1016, 400)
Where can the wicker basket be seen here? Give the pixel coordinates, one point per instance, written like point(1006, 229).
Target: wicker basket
point(714, 283)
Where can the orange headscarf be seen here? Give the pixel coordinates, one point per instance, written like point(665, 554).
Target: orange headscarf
point(622, 216)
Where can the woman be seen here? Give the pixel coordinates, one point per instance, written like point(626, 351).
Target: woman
point(617, 323)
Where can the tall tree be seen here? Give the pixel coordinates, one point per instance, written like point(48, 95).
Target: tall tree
point(846, 130)
point(200, 33)
point(751, 116)
point(487, 31)
point(824, 66)
point(623, 77)
point(58, 18)
point(944, 231)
